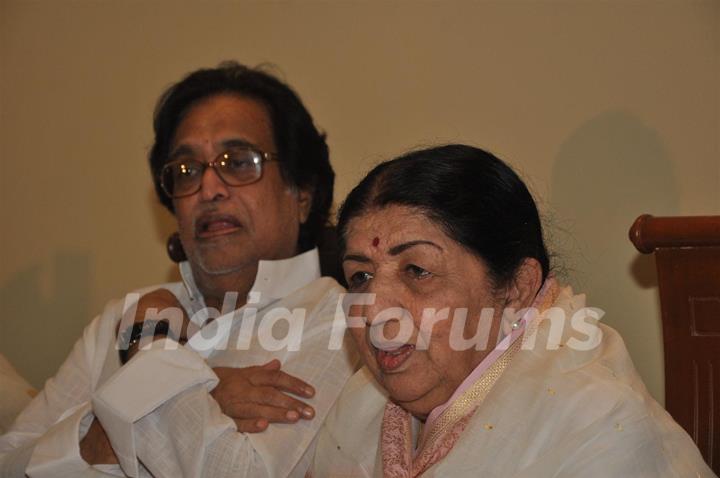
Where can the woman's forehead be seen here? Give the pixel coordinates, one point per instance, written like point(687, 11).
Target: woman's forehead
point(392, 225)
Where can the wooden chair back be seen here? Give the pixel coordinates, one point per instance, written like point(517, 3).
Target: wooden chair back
point(687, 256)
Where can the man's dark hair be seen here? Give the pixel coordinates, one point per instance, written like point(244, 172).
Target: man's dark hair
point(302, 150)
point(477, 199)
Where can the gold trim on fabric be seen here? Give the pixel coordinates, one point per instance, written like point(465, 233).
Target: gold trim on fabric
point(407, 429)
point(472, 397)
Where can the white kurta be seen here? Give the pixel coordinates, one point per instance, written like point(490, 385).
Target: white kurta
point(157, 410)
point(556, 413)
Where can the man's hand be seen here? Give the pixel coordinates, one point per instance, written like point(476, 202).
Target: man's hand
point(161, 299)
point(256, 396)
point(95, 448)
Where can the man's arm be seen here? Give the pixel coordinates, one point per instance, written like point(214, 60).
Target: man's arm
point(175, 427)
point(95, 447)
point(253, 396)
point(46, 434)
point(188, 434)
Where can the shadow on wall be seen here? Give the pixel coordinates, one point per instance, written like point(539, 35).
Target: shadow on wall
point(42, 307)
point(611, 170)
point(165, 225)
point(608, 172)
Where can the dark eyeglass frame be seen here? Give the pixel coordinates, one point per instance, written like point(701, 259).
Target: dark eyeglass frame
point(258, 157)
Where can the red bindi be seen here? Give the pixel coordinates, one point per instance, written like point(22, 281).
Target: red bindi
point(376, 241)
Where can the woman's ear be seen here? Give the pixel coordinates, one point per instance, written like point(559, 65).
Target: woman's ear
point(525, 285)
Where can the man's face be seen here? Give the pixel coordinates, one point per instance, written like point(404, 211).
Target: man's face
point(226, 229)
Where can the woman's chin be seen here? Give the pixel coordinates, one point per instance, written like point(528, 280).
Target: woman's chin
point(415, 395)
point(416, 401)
point(418, 408)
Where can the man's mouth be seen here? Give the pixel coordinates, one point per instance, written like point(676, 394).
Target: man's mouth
point(391, 359)
point(216, 225)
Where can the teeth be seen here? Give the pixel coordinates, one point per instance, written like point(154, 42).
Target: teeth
point(217, 226)
point(397, 351)
point(214, 226)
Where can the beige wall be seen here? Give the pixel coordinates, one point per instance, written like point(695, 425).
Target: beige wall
point(608, 109)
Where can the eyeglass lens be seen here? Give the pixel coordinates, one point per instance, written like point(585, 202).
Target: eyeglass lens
point(236, 168)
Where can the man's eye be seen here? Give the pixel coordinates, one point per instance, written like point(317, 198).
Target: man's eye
point(358, 279)
point(187, 170)
point(238, 160)
point(238, 164)
point(417, 271)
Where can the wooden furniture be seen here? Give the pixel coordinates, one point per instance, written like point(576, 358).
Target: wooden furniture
point(687, 256)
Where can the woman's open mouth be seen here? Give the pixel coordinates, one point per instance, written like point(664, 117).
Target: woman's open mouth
point(389, 360)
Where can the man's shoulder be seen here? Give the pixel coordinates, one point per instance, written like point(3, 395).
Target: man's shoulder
point(176, 288)
point(318, 293)
point(326, 286)
point(114, 308)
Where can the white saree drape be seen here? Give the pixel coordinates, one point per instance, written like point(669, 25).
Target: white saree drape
point(559, 409)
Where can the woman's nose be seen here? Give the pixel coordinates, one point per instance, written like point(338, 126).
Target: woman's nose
point(369, 304)
point(390, 324)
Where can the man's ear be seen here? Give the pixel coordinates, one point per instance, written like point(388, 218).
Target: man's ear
point(525, 285)
point(305, 199)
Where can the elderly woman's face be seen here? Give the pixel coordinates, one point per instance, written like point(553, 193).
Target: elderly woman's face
point(417, 271)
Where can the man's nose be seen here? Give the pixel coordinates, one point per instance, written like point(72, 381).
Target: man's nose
point(212, 188)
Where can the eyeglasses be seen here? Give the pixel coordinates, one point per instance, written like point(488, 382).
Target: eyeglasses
point(235, 167)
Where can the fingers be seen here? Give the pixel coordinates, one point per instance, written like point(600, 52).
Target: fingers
point(261, 392)
point(255, 411)
point(251, 425)
point(282, 381)
point(274, 364)
point(274, 398)
point(268, 402)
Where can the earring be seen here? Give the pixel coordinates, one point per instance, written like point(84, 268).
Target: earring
point(175, 249)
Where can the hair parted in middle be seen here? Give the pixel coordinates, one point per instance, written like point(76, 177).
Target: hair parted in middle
point(476, 198)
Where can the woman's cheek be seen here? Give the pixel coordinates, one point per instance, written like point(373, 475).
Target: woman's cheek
point(360, 338)
point(357, 334)
point(355, 311)
point(439, 352)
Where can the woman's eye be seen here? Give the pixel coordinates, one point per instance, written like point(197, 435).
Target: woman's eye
point(417, 271)
point(358, 279)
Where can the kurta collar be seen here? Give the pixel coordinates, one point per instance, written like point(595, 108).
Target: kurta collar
point(274, 279)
